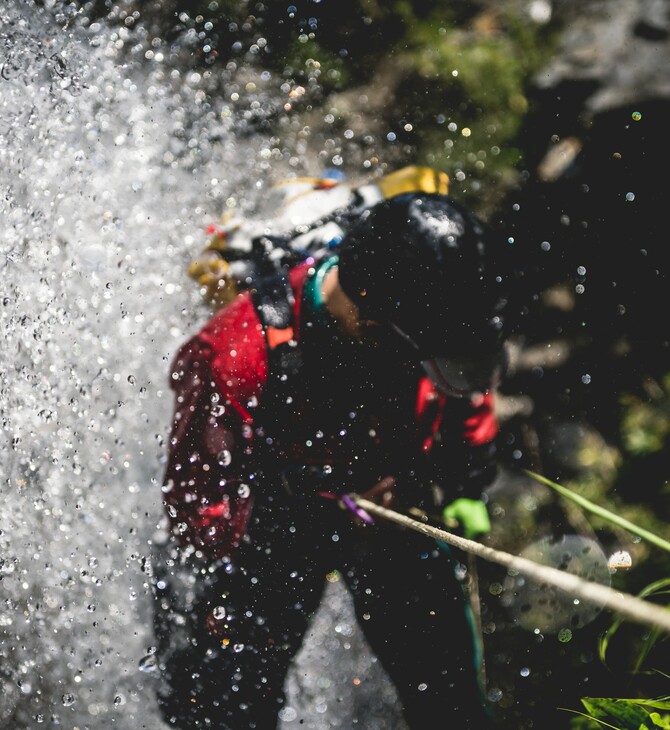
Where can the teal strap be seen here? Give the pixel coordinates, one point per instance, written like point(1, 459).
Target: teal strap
point(312, 292)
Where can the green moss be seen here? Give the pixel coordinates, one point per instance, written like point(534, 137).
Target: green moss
point(645, 424)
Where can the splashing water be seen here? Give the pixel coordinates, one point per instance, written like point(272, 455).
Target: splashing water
point(111, 169)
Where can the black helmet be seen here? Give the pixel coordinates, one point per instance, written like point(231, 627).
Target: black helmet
point(426, 266)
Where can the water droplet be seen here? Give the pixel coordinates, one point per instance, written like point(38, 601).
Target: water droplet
point(494, 694)
point(495, 589)
point(148, 664)
point(524, 672)
point(224, 457)
point(287, 714)
point(244, 491)
point(564, 635)
point(219, 613)
point(131, 379)
point(636, 116)
point(68, 700)
point(237, 648)
point(630, 197)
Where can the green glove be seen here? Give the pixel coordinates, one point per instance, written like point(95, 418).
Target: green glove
point(470, 515)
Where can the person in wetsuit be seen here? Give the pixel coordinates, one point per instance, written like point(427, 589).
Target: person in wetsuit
point(381, 384)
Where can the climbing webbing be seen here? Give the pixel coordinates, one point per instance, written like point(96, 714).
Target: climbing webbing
point(608, 598)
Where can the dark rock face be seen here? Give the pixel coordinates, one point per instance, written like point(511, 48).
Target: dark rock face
point(621, 48)
point(591, 208)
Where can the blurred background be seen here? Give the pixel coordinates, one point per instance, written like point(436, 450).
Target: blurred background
point(128, 127)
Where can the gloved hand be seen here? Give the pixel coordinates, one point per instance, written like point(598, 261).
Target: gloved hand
point(471, 515)
point(382, 493)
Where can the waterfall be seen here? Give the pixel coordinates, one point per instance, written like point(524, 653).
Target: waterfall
point(114, 161)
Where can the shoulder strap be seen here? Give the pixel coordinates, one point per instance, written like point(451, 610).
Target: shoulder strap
point(272, 293)
point(273, 299)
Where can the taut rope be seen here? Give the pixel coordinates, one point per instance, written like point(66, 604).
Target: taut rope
point(627, 605)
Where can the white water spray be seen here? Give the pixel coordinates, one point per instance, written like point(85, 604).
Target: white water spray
point(111, 169)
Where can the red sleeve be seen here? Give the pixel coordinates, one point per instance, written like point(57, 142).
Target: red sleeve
point(217, 378)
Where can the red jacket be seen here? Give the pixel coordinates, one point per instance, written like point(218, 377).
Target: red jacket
point(219, 377)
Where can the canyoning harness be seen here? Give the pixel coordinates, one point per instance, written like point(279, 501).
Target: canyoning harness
point(303, 470)
point(275, 303)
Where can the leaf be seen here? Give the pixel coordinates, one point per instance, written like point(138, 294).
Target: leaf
point(660, 703)
point(658, 587)
point(661, 720)
point(589, 717)
point(647, 646)
point(628, 715)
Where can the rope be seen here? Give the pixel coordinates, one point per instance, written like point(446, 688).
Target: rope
point(627, 605)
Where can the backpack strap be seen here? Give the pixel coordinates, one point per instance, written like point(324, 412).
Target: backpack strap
point(271, 292)
point(274, 300)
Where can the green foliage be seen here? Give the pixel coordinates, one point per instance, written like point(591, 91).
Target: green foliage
point(461, 69)
point(308, 63)
point(645, 424)
point(624, 714)
point(605, 514)
point(657, 588)
point(454, 72)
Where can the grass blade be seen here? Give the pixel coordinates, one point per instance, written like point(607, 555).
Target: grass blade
point(602, 512)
